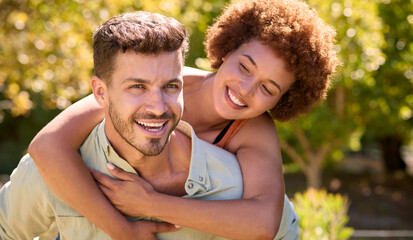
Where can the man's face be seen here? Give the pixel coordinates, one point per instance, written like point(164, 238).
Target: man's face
point(145, 100)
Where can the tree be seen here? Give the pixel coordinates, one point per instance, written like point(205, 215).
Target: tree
point(337, 122)
point(389, 107)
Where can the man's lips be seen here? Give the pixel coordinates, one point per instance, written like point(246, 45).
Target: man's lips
point(153, 127)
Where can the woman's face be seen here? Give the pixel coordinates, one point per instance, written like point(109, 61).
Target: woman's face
point(250, 81)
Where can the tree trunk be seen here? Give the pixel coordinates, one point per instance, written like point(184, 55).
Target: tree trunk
point(312, 160)
point(313, 176)
point(340, 98)
point(390, 148)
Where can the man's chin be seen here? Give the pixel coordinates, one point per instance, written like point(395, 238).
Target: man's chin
point(154, 149)
point(151, 152)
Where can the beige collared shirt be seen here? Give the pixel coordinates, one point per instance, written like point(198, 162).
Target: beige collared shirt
point(28, 208)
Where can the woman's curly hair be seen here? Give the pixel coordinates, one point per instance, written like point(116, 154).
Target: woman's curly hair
point(295, 32)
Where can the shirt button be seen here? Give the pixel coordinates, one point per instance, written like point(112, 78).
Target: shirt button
point(201, 178)
point(190, 185)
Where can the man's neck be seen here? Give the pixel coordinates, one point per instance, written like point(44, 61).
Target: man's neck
point(168, 171)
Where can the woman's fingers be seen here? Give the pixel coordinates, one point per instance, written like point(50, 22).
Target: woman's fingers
point(119, 173)
point(103, 179)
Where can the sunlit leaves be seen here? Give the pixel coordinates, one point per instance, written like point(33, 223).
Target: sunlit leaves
point(45, 46)
point(322, 215)
point(339, 122)
point(359, 43)
point(394, 79)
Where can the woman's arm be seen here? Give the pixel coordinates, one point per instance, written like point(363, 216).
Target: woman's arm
point(256, 216)
point(54, 150)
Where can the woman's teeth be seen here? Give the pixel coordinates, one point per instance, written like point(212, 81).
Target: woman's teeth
point(235, 100)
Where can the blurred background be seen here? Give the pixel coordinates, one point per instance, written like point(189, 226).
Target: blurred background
point(354, 151)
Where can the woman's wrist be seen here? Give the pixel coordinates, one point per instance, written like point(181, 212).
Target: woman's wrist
point(156, 205)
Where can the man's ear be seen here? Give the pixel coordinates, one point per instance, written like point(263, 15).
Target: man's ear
point(100, 90)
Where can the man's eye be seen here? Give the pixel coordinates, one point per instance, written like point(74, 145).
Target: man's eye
point(171, 86)
point(137, 86)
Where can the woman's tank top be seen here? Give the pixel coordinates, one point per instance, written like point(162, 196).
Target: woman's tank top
point(225, 136)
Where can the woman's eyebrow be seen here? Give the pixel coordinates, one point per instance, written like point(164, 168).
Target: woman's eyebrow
point(253, 63)
point(250, 58)
point(275, 84)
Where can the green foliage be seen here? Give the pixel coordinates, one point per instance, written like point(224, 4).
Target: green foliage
point(323, 215)
point(46, 57)
point(46, 63)
point(45, 46)
point(359, 43)
point(17, 133)
point(338, 123)
point(389, 105)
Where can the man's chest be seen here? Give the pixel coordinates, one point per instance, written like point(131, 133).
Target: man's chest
point(173, 185)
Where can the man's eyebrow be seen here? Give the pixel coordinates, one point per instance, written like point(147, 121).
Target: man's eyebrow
point(174, 80)
point(136, 80)
point(250, 58)
point(143, 81)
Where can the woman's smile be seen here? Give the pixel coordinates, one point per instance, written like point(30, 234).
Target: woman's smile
point(235, 99)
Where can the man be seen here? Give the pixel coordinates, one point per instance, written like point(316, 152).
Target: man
point(142, 97)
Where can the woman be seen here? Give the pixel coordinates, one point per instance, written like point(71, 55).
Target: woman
point(274, 56)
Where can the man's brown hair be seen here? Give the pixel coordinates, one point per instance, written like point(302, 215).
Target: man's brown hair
point(141, 32)
point(295, 32)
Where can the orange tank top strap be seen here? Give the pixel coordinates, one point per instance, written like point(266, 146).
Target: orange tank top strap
point(228, 132)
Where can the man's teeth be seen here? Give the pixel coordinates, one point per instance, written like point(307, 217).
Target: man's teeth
point(152, 127)
point(151, 124)
point(235, 99)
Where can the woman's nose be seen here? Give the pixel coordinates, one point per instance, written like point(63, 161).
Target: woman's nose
point(247, 87)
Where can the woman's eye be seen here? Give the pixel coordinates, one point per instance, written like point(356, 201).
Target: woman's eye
point(266, 90)
point(244, 68)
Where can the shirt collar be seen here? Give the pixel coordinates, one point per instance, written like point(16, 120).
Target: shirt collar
point(198, 179)
point(111, 155)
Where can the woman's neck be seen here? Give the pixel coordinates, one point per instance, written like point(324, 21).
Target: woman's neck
point(199, 109)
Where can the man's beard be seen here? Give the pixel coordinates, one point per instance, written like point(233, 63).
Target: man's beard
point(155, 146)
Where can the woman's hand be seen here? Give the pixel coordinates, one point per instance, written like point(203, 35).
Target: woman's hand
point(131, 194)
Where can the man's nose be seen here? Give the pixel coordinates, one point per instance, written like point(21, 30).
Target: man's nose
point(156, 103)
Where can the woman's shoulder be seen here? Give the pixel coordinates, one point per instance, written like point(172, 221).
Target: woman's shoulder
point(256, 131)
point(262, 123)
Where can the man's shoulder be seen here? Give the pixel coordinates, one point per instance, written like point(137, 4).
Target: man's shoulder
point(200, 146)
point(26, 175)
point(96, 135)
point(214, 169)
point(96, 147)
point(26, 164)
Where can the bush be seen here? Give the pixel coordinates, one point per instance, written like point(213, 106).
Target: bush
point(323, 215)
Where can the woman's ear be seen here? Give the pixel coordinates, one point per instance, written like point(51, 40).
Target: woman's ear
point(99, 90)
point(224, 58)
